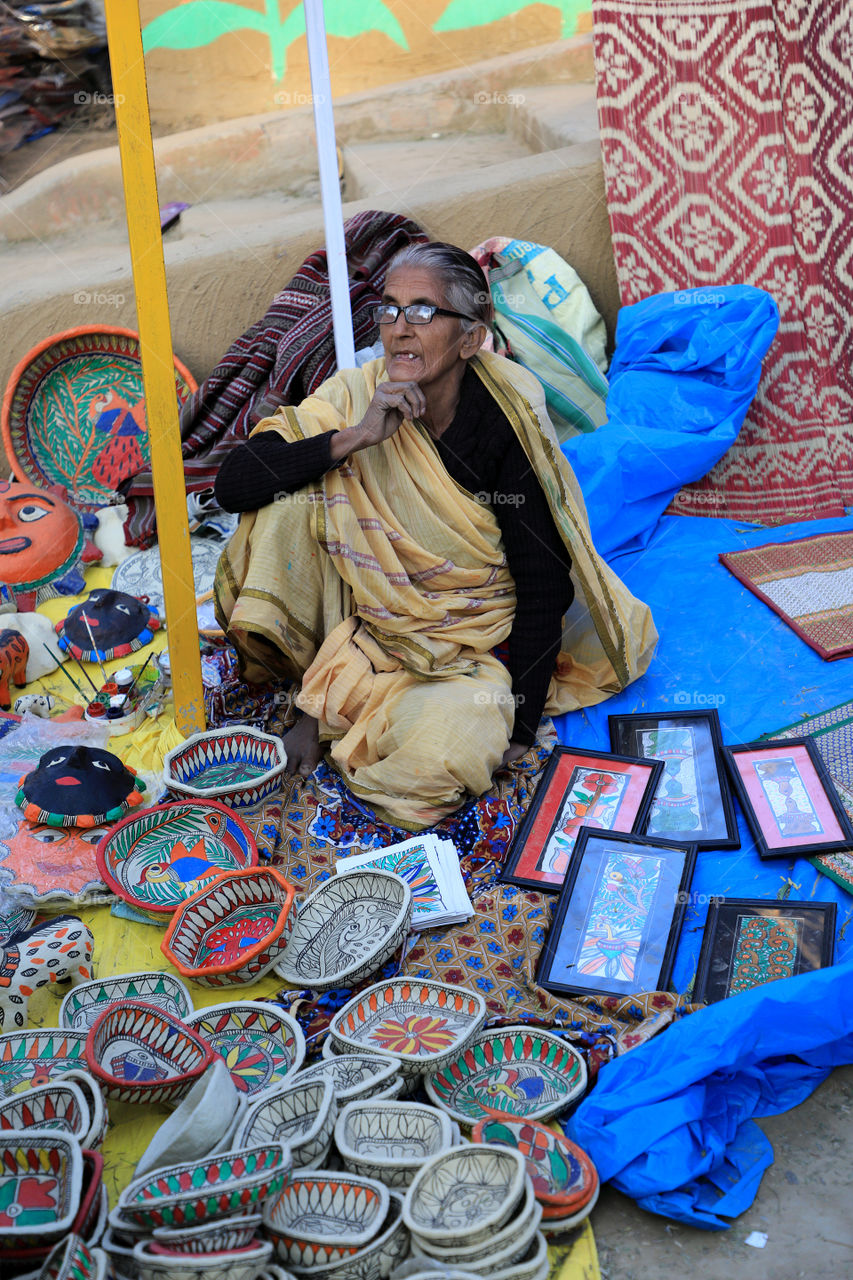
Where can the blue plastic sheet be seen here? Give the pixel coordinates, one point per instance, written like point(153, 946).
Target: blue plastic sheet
point(685, 370)
point(670, 1123)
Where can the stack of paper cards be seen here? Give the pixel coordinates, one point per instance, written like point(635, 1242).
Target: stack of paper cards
point(430, 868)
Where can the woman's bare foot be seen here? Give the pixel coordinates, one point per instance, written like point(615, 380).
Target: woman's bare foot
point(302, 744)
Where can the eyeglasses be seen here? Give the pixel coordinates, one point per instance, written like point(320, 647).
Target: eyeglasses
point(415, 313)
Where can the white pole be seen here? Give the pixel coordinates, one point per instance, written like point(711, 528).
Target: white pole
point(330, 191)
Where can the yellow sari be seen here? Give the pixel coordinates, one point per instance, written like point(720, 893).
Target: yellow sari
point(383, 587)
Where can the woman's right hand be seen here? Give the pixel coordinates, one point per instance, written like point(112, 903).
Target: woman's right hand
point(391, 403)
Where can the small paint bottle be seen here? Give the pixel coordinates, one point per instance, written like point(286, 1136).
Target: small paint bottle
point(117, 706)
point(123, 679)
point(95, 710)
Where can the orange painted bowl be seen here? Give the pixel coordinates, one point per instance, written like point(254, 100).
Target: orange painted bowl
point(138, 1053)
point(74, 412)
point(320, 1217)
point(563, 1175)
point(234, 930)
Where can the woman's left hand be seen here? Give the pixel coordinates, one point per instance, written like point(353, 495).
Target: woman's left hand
point(514, 751)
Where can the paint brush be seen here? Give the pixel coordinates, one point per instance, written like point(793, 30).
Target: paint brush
point(94, 647)
point(67, 674)
point(138, 676)
point(85, 672)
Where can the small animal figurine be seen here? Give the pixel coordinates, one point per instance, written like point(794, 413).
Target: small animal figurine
point(57, 951)
point(38, 704)
point(14, 652)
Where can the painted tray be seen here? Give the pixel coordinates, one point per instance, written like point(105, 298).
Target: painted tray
point(158, 858)
point(140, 575)
point(87, 1001)
point(563, 1175)
point(51, 867)
point(41, 1172)
point(517, 1070)
point(237, 765)
point(29, 1058)
point(260, 1043)
point(74, 412)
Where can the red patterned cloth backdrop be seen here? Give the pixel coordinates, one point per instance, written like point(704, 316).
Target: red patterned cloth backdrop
point(727, 147)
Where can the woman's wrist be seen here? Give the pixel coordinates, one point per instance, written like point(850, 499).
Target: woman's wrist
point(345, 442)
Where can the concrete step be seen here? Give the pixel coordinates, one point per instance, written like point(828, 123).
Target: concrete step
point(387, 171)
point(545, 117)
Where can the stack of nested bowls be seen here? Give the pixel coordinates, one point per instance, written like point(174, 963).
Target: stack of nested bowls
point(336, 1226)
point(390, 1140)
point(474, 1208)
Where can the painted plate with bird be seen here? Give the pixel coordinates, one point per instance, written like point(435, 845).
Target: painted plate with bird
point(74, 412)
point(160, 857)
point(517, 1071)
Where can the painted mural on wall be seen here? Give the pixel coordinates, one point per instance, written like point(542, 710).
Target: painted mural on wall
point(193, 24)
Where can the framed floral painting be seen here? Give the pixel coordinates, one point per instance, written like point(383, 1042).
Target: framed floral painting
point(578, 789)
point(617, 920)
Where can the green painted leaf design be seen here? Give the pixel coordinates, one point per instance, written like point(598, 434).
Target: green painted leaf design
point(200, 22)
point(345, 19)
point(460, 14)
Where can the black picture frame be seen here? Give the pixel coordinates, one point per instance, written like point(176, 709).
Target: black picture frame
point(727, 928)
point(715, 824)
point(756, 796)
point(599, 878)
point(530, 857)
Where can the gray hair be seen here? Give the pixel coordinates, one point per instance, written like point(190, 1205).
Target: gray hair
point(462, 278)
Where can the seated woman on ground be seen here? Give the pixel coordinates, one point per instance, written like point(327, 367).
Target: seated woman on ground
point(405, 524)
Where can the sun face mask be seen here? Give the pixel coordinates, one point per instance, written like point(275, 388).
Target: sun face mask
point(78, 787)
point(117, 623)
point(41, 536)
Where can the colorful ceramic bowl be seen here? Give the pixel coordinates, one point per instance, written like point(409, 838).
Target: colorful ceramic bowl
point(86, 1001)
point(236, 765)
point(347, 930)
point(557, 1226)
point(232, 930)
point(464, 1195)
point(220, 1236)
point(29, 1058)
point(199, 1192)
point(517, 1070)
point(87, 1223)
point(92, 1092)
point(236, 1264)
point(158, 858)
point(199, 1124)
point(321, 1217)
point(500, 1248)
point(375, 1260)
point(302, 1114)
point(419, 1022)
point(59, 1105)
point(353, 1075)
point(261, 1044)
point(563, 1175)
point(390, 1140)
point(533, 1265)
point(41, 1176)
point(74, 1259)
point(137, 1053)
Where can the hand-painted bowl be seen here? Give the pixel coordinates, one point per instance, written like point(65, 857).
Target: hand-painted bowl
point(221, 1236)
point(234, 929)
point(556, 1226)
point(346, 930)
point(322, 1217)
point(419, 1022)
point(237, 765)
point(517, 1070)
point(563, 1175)
point(301, 1113)
point(533, 1265)
point(375, 1260)
point(73, 1259)
point(29, 1058)
point(158, 858)
point(500, 1248)
point(390, 1140)
point(59, 1105)
point(137, 1053)
point(19, 1259)
point(92, 1092)
point(198, 1192)
point(41, 1175)
point(354, 1075)
point(236, 1264)
point(464, 1195)
point(198, 1125)
point(261, 1044)
point(87, 1000)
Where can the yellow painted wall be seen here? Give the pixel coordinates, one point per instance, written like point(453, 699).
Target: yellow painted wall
point(209, 60)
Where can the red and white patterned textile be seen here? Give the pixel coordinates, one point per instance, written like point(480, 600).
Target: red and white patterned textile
point(727, 136)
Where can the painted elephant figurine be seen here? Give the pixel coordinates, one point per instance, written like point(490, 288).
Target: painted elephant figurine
point(14, 652)
point(55, 951)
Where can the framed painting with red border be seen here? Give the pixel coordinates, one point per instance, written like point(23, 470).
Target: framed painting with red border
point(578, 789)
point(787, 795)
point(748, 942)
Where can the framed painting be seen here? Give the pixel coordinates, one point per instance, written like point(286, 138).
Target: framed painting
point(617, 920)
point(578, 789)
point(692, 801)
point(787, 795)
point(748, 942)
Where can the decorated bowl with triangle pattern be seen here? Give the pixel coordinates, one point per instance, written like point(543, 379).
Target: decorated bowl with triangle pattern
point(237, 765)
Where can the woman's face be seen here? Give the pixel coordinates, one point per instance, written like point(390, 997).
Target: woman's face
point(423, 353)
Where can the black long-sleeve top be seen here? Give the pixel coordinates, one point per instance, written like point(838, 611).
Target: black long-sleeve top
point(483, 454)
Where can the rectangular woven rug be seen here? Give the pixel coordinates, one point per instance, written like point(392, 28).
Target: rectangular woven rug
point(725, 163)
point(809, 583)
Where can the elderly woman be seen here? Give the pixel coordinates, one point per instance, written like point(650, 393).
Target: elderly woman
point(406, 521)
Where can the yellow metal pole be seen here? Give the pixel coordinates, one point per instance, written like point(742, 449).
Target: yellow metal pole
point(124, 36)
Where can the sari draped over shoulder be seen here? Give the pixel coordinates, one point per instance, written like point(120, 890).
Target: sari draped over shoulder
point(383, 587)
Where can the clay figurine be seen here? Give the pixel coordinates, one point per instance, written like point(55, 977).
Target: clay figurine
point(52, 952)
point(14, 652)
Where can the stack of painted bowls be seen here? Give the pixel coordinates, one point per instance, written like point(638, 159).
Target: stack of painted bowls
point(473, 1207)
point(391, 1141)
point(337, 1226)
point(359, 1075)
point(564, 1178)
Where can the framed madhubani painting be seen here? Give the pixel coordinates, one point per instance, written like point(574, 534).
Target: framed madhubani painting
point(578, 789)
point(692, 801)
point(788, 797)
point(617, 919)
point(748, 942)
